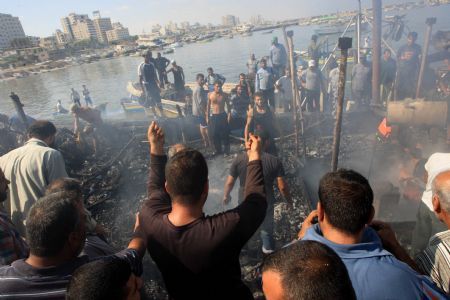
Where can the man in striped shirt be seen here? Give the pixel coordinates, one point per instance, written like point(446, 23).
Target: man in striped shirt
point(56, 234)
point(435, 259)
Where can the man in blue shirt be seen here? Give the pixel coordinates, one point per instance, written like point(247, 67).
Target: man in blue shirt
point(344, 210)
point(264, 82)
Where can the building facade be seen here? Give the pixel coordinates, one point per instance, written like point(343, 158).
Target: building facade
point(118, 33)
point(10, 29)
point(102, 25)
point(230, 21)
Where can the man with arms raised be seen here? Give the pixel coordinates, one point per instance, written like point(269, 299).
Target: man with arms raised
point(198, 255)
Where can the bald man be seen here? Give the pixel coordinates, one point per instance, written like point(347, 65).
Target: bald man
point(434, 261)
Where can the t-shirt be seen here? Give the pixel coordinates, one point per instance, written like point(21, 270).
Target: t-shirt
point(161, 63)
point(199, 100)
point(278, 55)
point(408, 55)
point(286, 87)
point(148, 73)
point(272, 169)
point(200, 260)
point(387, 72)
point(22, 281)
point(313, 79)
point(361, 75)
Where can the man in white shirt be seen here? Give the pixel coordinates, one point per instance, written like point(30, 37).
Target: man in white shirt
point(284, 85)
point(30, 169)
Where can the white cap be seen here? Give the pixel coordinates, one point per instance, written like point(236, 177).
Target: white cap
point(173, 61)
point(311, 63)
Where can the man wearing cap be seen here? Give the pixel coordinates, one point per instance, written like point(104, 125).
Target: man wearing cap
point(408, 58)
point(278, 57)
point(313, 82)
point(427, 223)
point(150, 84)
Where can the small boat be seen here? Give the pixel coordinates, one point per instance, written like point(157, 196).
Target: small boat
point(176, 45)
point(267, 32)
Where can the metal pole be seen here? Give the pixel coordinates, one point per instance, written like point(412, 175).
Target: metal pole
point(376, 57)
point(358, 32)
point(344, 44)
point(430, 22)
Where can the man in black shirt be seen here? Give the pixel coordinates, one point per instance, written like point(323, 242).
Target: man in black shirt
point(408, 58)
point(387, 75)
point(161, 64)
point(55, 234)
point(150, 84)
point(198, 255)
point(272, 170)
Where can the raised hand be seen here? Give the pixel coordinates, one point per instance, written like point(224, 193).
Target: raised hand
point(254, 147)
point(155, 136)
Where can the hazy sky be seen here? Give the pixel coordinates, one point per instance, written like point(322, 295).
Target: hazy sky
point(42, 17)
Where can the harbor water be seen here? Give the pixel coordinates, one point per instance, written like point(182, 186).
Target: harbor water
point(107, 79)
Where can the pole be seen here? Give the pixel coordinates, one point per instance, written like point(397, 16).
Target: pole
point(376, 57)
point(344, 44)
point(290, 43)
point(430, 22)
point(358, 32)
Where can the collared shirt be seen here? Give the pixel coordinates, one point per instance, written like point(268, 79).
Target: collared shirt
point(30, 169)
point(264, 79)
point(435, 260)
point(12, 246)
point(23, 281)
point(375, 273)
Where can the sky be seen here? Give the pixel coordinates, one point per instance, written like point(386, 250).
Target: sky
point(42, 17)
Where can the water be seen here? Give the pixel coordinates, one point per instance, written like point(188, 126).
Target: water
point(107, 79)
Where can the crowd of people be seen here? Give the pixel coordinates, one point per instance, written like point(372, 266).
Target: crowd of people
point(52, 248)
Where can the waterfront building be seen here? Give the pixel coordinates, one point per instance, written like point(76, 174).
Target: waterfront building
point(102, 25)
point(34, 40)
point(230, 21)
point(84, 30)
point(10, 29)
point(61, 37)
point(49, 42)
point(118, 33)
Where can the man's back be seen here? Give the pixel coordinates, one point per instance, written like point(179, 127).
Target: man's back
point(22, 281)
point(30, 169)
point(375, 273)
point(200, 260)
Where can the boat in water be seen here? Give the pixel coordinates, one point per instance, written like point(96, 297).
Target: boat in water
point(176, 45)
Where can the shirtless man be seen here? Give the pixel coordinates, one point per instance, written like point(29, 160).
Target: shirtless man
point(219, 119)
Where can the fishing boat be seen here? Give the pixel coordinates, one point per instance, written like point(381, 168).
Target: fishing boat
point(176, 45)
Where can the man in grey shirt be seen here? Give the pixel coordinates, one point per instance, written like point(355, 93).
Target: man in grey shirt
point(278, 57)
point(361, 78)
point(199, 102)
point(264, 82)
point(313, 83)
point(30, 169)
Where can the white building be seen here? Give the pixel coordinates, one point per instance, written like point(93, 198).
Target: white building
point(10, 29)
point(118, 33)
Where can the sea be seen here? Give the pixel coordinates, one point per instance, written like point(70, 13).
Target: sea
point(107, 79)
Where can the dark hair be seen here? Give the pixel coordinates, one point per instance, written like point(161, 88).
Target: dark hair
point(65, 184)
point(310, 270)
point(186, 175)
point(413, 35)
point(50, 221)
point(200, 75)
point(242, 74)
point(41, 129)
point(263, 135)
point(100, 279)
point(209, 69)
point(346, 197)
point(259, 94)
point(387, 50)
point(218, 82)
